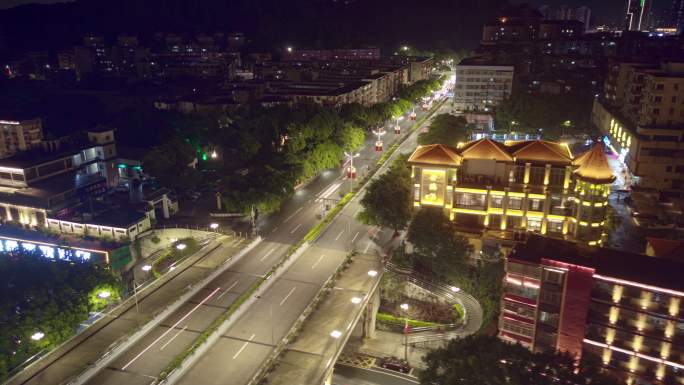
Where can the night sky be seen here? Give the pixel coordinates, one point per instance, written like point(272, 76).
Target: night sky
point(606, 11)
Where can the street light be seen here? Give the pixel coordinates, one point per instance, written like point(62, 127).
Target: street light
point(455, 289)
point(104, 294)
point(372, 273)
point(336, 334)
point(214, 226)
point(181, 246)
point(356, 300)
point(146, 268)
point(405, 308)
point(37, 336)
point(214, 154)
point(289, 49)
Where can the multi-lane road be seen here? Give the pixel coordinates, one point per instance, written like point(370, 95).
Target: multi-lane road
point(245, 345)
point(243, 348)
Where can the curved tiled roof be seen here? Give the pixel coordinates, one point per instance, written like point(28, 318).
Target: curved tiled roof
point(593, 165)
point(486, 149)
point(541, 151)
point(440, 154)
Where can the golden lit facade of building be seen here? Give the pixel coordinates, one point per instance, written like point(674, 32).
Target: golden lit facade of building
point(536, 186)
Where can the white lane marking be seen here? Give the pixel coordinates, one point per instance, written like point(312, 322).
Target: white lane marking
point(244, 346)
point(293, 214)
point(295, 229)
point(367, 247)
point(227, 290)
point(316, 263)
point(174, 337)
point(355, 235)
point(328, 192)
point(171, 328)
point(267, 254)
point(339, 235)
point(288, 295)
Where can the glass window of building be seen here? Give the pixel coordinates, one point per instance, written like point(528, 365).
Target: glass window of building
point(554, 226)
point(534, 224)
point(496, 201)
point(515, 203)
point(536, 204)
point(537, 175)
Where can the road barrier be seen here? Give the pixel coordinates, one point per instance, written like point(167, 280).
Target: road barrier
point(121, 345)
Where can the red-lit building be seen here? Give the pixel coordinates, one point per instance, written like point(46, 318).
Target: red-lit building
point(622, 307)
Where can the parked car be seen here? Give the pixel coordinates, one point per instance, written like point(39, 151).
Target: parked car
point(396, 364)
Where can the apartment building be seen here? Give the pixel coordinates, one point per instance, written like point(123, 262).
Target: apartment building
point(19, 135)
point(58, 187)
point(642, 117)
point(481, 85)
point(507, 189)
point(623, 308)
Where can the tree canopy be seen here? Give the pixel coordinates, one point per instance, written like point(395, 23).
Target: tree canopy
point(52, 297)
point(445, 129)
point(388, 198)
point(479, 359)
point(437, 243)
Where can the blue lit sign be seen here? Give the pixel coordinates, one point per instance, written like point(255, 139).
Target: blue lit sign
point(49, 251)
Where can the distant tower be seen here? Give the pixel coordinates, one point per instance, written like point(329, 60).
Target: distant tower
point(583, 14)
point(678, 15)
point(637, 13)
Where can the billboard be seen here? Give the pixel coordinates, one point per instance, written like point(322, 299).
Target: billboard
point(52, 251)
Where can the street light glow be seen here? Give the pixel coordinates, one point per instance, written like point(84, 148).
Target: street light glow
point(181, 246)
point(355, 300)
point(146, 268)
point(404, 306)
point(372, 273)
point(336, 334)
point(289, 49)
point(104, 294)
point(37, 336)
point(214, 154)
point(455, 289)
point(214, 226)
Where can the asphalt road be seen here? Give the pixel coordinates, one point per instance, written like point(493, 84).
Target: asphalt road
point(245, 346)
point(350, 375)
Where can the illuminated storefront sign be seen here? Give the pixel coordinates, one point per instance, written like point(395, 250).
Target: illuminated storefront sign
point(53, 251)
point(433, 186)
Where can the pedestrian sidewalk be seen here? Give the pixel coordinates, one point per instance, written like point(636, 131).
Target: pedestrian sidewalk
point(386, 344)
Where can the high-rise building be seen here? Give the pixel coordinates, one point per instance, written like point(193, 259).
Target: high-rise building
point(481, 85)
point(583, 14)
point(623, 308)
point(637, 15)
point(516, 187)
point(642, 116)
point(678, 15)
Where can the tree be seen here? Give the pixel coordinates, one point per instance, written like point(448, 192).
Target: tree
point(488, 360)
point(388, 199)
point(170, 161)
point(445, 129)
point(350, 137)
point(437, 243)
point(51, 296)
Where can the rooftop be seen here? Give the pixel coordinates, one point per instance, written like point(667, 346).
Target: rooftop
point(637, 268)
point(593, 165)
point(436, 154)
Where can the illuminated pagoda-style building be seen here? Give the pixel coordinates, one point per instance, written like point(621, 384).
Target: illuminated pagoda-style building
point(536, 186)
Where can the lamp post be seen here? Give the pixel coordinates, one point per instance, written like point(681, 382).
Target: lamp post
point(405, 308)
point(379, 132)
point(37, 336)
